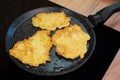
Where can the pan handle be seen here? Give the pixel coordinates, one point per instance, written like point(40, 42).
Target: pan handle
point(104, 14)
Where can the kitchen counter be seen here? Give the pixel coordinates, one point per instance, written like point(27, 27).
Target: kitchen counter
point(105, 53)
point(90, 7)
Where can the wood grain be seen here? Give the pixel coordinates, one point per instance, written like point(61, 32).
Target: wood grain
point(113, 72)
point(89, 7)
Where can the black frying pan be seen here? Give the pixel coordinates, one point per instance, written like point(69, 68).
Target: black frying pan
point(22, 28)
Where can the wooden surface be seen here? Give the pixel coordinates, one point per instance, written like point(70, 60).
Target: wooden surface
point(113, 72)
point(87, 7)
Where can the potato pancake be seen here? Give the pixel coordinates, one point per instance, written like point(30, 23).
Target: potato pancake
point(71, 42)
point(34, 50)
point(51, 21)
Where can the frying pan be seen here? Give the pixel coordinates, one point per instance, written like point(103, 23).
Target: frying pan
point(22, 28)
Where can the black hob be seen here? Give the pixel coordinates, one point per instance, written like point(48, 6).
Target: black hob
point(107, 45)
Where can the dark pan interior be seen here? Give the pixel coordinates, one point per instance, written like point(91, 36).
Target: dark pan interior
point(22, 28)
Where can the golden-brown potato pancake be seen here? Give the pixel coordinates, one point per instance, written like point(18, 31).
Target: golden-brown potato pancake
point(71, 42)
point(51, 21)
point(34, 50)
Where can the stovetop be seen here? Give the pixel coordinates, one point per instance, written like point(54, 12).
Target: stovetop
point(107, 44)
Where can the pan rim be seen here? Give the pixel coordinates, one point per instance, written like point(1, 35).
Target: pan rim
point(13, 25)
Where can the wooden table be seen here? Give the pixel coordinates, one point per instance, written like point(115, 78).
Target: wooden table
point(88, 7)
